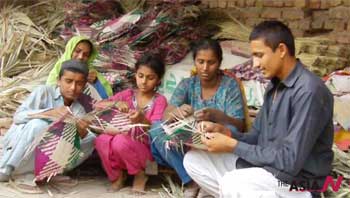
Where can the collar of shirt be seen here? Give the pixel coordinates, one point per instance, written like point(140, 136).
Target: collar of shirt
point(290, 80)
point(57, 93)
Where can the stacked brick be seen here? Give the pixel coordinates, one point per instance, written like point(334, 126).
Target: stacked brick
point(322, 55)
point(304, 17)
point(330, 18)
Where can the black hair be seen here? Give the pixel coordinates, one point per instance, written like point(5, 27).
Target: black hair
point(273, 33)
point(207, 44)
point(72, 70)
point(152, 61)
point(89, 43)
point(74, 66)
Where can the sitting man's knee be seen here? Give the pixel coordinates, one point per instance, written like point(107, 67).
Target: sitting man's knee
point(190, 161)
point(38, 125)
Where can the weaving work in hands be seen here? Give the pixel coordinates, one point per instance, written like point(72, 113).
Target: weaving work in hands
point(56, 149)
point(112, 121)
point(184, 131)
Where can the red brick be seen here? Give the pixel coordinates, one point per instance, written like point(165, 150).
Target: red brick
point(293, 24)
point(231, 3)
point(293, 13)
point(304, 24)
point(334, 3)
point(298, 33)
point(341, 37)
point(250, 3)
point(314, 4)
point(346, 2)
point(320, 14)
point(317, 23)
point(251, 22)
point(205, 3)
point(325, 4)
point(241, 3)
point(222, 3)
point(272, 3)
point(335, 24)
point(213, 4)
point(340, 12)
point(259, 3)
point(252, 12)
point(289, 3)
point(300, 3)
point(271, 13)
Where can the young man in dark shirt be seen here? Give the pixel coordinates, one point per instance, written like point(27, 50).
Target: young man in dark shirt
point(290, 142)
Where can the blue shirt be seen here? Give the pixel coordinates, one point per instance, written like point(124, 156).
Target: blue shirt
point(228, 97)
point(292, 135)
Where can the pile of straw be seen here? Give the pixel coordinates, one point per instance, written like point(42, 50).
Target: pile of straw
point(28, 50)
point(229, 27)
point(321, 55)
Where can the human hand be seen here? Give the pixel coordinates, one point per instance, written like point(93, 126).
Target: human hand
point(136, 116)
point(92, 76)
point(53, 114)
point(182, 112)
point(211, 127)
point(218, 142)
point(112, 130)
point(122, 106)
point(102, 104)
point(209, 114)
point(204, 114)
point(82, 126)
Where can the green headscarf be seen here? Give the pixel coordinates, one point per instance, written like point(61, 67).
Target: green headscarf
point(72, 43)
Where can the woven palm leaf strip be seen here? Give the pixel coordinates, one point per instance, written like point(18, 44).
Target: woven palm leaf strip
point(111, 118)
point(182, 132)
point(56, 148)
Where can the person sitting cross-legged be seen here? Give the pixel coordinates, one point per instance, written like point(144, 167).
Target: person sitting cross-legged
point(291, 139)
point(44, 104)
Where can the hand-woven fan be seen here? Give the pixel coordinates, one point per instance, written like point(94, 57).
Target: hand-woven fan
point(111, 120)
point(57, 148)
point(184, 131)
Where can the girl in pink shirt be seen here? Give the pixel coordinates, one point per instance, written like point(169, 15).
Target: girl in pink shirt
point(126, 151)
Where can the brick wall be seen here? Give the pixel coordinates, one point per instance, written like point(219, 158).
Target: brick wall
point(304, 17)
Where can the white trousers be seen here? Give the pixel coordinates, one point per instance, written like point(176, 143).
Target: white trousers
point(217, 175)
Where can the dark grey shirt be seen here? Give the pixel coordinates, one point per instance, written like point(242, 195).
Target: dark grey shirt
point(292, 135)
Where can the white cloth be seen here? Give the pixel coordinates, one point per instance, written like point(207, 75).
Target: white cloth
point(217, 175)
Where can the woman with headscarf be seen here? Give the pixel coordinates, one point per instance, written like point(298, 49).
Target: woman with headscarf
point(81, 48)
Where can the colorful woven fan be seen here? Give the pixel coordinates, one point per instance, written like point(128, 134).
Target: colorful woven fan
point(60, 148)
point(183, 132)
point(56, 149)
point(89, 97)
point(112, 121)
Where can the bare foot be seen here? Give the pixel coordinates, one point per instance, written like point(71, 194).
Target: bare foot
point(139, 183)
point(119, 183)
point(191, 190)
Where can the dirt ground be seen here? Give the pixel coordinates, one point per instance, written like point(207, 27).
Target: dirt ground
point(92, 183)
